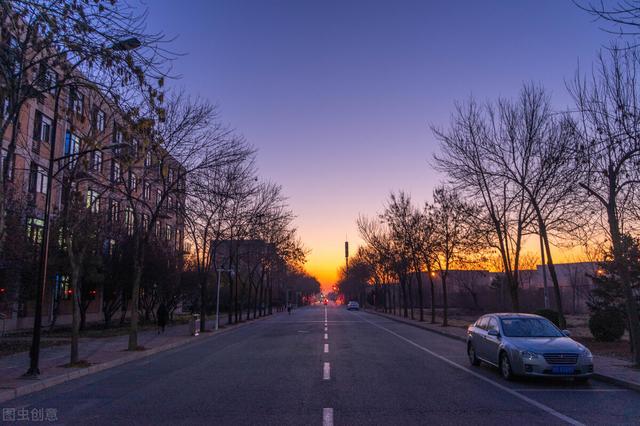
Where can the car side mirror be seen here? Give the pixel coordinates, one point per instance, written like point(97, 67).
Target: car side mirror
point(566, 333)
point(493, 333)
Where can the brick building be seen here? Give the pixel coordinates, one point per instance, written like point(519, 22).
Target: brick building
point(123, 180)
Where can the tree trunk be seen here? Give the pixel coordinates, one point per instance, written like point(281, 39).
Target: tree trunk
point(433, 296)
point(420, 295)
point(75, 323)
point(410, 287)
point(135, 300)
point(403, 287)
point(554, 277)
point(445, 303)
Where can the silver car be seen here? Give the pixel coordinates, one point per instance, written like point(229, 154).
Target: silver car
point(527, 345)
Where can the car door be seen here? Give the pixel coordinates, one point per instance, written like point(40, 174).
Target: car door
point(479, 333)
point(492, 343)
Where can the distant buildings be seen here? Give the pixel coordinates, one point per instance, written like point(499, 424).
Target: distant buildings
point(480, 289)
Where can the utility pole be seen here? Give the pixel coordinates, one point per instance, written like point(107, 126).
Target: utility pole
point(346, 257)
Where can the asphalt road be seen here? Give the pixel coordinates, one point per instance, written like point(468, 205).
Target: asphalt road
point(364, 369)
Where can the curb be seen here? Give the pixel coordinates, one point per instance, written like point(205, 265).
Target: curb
point(597, 376)
point(618, 382)
point(417, 325)
point(9, 394)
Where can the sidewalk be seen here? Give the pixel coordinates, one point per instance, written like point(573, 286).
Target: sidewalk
point(610, 370)
point(101, 353)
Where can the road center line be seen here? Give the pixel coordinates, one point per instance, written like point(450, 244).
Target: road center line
point(326, 336)
point(512, 392)
point(326, 329)
point(326, 348)
point(326, 371)
point(327, 417)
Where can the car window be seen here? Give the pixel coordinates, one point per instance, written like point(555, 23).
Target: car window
point(529, 327)
point(482, 323)
point(493, 324)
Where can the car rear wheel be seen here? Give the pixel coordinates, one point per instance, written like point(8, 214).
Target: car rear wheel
point(505, 367)
point(473, 359)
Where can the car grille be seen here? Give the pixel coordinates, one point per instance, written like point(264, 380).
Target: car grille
point(561, 358)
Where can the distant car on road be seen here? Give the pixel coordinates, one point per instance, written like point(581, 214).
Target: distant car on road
point(353, 306)
point(527, 345)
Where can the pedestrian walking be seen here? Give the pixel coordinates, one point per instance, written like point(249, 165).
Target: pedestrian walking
point(163, 317)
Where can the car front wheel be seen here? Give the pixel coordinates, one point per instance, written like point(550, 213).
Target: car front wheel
point(473, 359)
point(505, 367)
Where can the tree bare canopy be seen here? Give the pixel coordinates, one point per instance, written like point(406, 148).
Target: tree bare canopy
point(608, 158)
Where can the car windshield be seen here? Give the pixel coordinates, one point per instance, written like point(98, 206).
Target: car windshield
point(529, 327)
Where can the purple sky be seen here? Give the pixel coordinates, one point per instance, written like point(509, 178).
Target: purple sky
point(338, 96)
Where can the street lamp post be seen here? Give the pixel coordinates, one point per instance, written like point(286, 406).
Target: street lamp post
point(220, 271)
point(34, 353)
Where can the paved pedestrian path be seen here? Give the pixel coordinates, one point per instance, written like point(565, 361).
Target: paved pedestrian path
point(607, 369)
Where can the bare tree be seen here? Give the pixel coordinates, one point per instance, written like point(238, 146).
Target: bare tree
point(608, 157)
point(405, 223)
point(506, 212)
point(456, 235)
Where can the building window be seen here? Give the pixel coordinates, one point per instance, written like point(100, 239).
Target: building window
point(93, 201)
point(76, 101)
point(11, 166)
point(133, 182)
point(116, 173)
point(170, 202)
point(71, 147)
point(96, 161)
point(147, 191)
point(118, 138)
point(158, 229)
point(114, 211)
point(109, 247)
point(47, 78)
point(135, 144)
point(158, 196)
point(41, 131)
point(148, 159)
point(37, 179)
point(34, 229)
point(171, 176)
point(128, 220)
point(99, 119)
point(145, 221)
point(169, 233)
point(63, 287)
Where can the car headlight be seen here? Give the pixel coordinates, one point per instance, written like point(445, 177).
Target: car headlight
point(586, 353)
point(526, 355)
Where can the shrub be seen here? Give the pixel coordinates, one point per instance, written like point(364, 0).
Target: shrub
point(549, 314)
point(607, 325)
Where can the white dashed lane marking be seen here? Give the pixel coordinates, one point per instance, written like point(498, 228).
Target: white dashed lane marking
point(327, 417)
point(326, 371)
point(326, 348)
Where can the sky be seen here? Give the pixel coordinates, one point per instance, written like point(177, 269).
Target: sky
point(339, 97)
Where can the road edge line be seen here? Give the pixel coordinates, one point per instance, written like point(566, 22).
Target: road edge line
point(512, 392)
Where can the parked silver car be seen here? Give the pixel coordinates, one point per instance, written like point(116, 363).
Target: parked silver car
point(527, 345)
point(353, 306)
